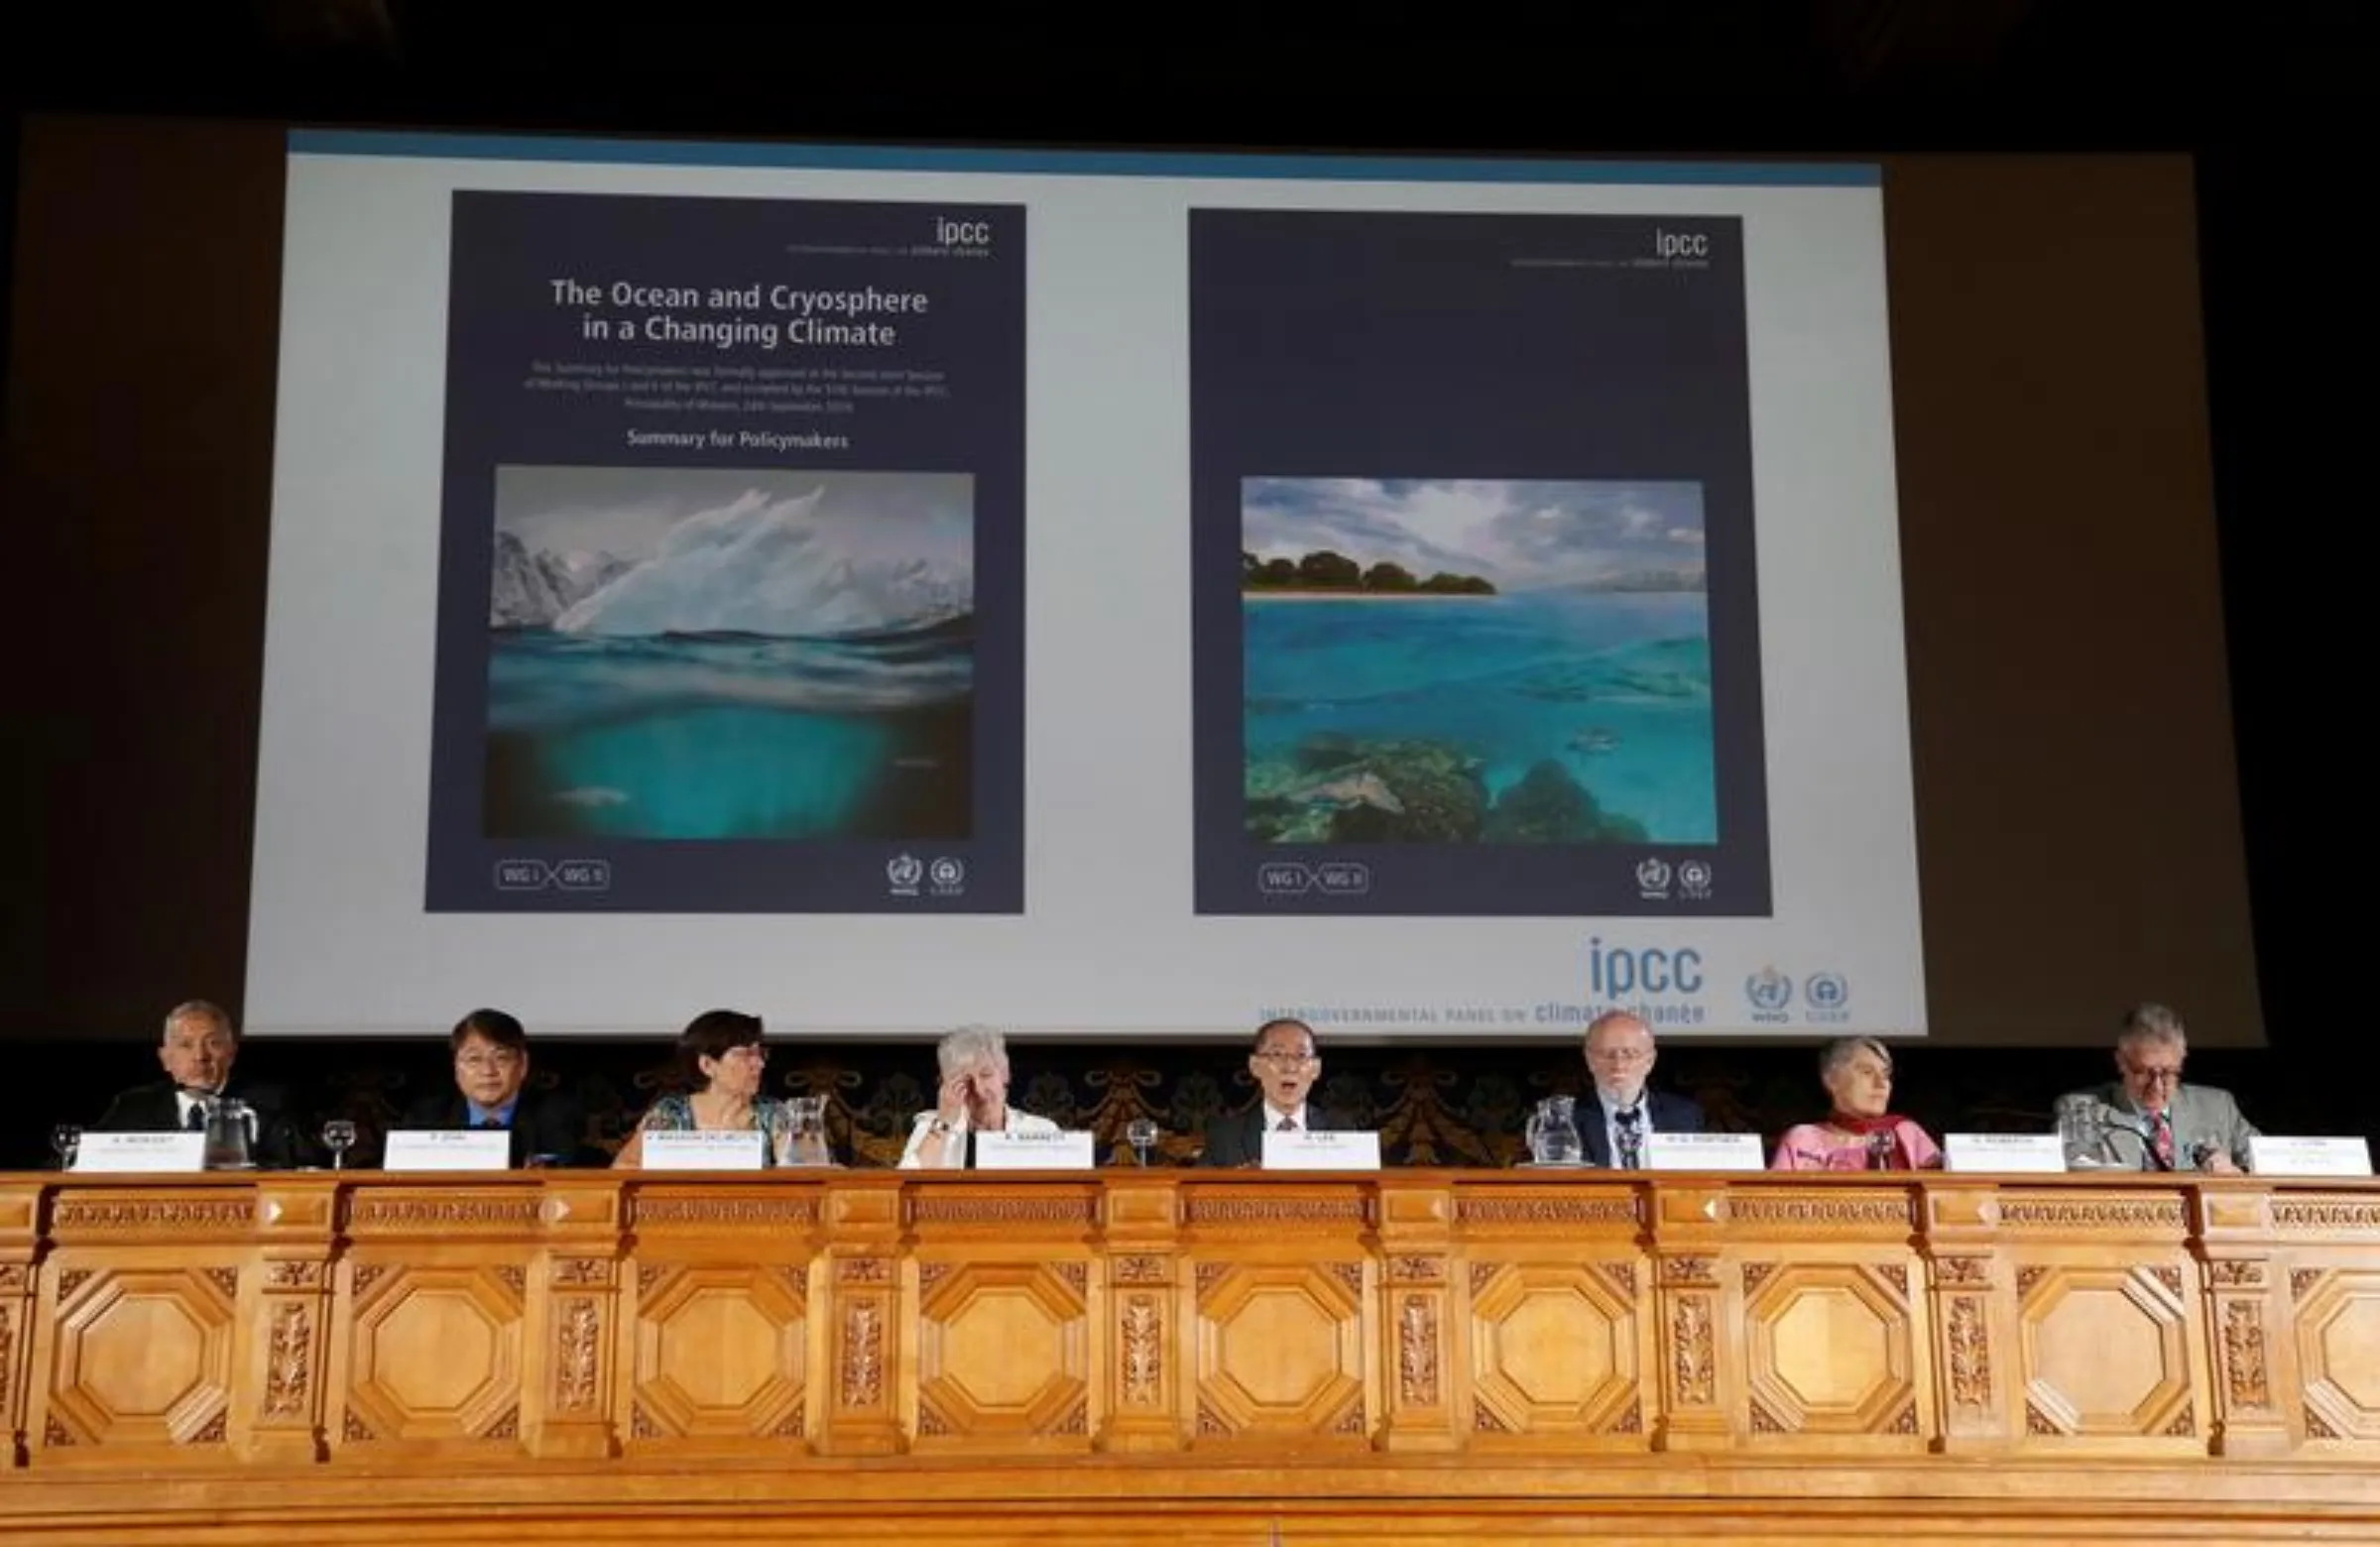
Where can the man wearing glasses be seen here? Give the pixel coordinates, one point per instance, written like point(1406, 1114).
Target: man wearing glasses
point(1286, 1066)
point(2162, 1124)
point(491, 1073)
point(1623, 1113)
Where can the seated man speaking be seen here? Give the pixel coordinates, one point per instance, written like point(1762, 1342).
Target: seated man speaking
point(491, 1069)
point(1285, 1066)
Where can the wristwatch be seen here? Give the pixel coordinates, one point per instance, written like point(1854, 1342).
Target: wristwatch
point(940, 1128)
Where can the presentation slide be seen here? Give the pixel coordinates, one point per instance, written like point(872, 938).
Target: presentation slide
point(1098, 594)
point(731, 611)
point(1472, 503)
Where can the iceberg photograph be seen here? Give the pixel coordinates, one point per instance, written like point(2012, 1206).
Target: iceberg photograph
point(1476, 661)
point(711, 654)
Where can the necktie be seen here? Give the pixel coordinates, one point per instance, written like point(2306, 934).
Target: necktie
point(1629, 1122)
point(2162, 1137)
point(1285, 1126)
point(196, 1121)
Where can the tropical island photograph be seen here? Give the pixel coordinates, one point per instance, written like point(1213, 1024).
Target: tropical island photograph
point(1548, 680)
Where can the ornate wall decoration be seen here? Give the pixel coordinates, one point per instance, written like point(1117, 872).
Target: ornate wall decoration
point(1692, 1362)
point(863, 1355)
point(1971, 1352)
point(289, 1359)
point(1417, 1352)
point(1144, 1351)
point(577, 1357)
point(2243, 1355)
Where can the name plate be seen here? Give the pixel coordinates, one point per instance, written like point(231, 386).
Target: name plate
point(2018, 1152)
point(447, 1149)
point(121, 1152)
point(1307, 1151)
point(702, 1150)
point(1704, 1152)
point(1065, 1151)
point(2276, 1154)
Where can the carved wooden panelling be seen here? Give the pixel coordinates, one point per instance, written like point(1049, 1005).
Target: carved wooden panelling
point(2106, 1350)
point(436, 1354)
point(1821, 1212)
point(2337, 1335)
point(1829, 1347)
point(143, 1355)
point(1475, 1208)
point(1003, 1349)
point(503, 1212)
point(724, 1213)
point(1280, 1350)
point(1553, 1349)
point(958, 1209)
point(720, 1352)
point(1349, 1210)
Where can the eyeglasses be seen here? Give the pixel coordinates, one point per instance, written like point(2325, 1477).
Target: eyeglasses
point(1284, 1060)
point(488, 1063)
point(2155, 1076)
point(1621, 1055)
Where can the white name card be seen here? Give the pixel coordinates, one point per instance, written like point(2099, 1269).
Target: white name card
point(1704, 1152)
point(1308, 1151)
point(2276, 1154)
point(1073, 1150)
point(702, 1150)
point(2025, 1152)
point(121, 1152)
point(447, 1149)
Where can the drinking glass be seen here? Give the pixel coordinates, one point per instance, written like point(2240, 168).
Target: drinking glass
point(1141, 1135)
point(66, 1139)
point(338, 1136)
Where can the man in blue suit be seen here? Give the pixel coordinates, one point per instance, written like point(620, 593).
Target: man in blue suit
point(1620, 1114)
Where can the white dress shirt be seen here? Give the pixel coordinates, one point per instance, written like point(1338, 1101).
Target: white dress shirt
point(1272, 1118)
point(955, 1155)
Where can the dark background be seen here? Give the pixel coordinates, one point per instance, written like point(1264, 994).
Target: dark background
point(117, 716)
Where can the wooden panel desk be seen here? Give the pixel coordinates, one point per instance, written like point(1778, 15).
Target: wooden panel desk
point(1168, 1355)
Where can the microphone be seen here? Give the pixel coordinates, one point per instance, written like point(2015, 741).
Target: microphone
point(2090, 1123)
point(1879, 1151)
point(2201, 1152)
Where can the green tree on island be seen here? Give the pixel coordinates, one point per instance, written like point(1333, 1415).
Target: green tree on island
point(1327, 574)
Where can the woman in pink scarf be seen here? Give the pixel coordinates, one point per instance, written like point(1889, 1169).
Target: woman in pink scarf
point(1859, 1135)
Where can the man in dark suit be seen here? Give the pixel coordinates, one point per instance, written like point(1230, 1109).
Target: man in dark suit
point(491, 1069)
point(198, 1048)
point(1285, 1064)
point(1619, 1113)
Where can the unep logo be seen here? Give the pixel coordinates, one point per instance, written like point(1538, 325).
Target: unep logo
point(1828, 995)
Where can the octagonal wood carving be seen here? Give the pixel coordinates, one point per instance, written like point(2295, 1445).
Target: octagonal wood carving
point(2103, 1352)
point(436, 1355)
point(1280, 1351)
point(1553, 1350)
point(1829, 1348)
point(720, 1352)
point(1004, 1349)
point(143, 1355)
point(2338, 1349)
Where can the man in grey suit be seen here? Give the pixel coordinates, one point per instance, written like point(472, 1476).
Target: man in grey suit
point(2148, 1118)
